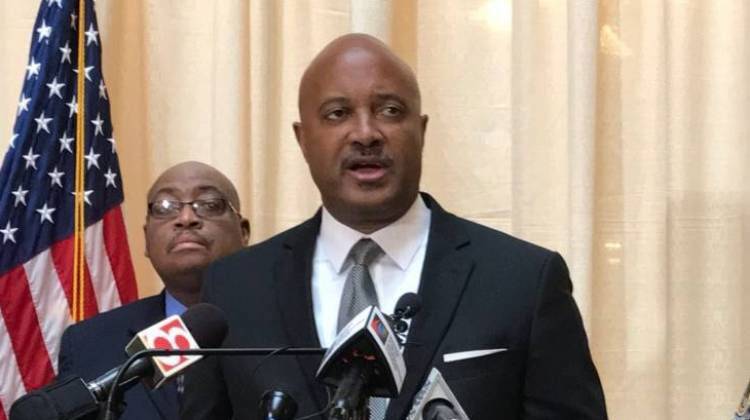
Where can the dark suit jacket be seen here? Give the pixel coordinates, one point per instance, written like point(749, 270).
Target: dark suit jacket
point(480, 289)
point(92, 347)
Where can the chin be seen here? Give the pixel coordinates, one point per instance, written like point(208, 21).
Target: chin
point(190, 265)
point(377, 204)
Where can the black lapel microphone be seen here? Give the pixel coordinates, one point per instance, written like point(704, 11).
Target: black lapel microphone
point(407, 306)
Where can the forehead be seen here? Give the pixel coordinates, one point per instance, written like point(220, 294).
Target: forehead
point(188, 184)
point(358, 71)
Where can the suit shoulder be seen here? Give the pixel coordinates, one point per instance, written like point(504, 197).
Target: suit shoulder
point(90, 347)
point(494, 244)
point(119, 318)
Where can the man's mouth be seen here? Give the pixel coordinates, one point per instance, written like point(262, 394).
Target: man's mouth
point(368, 169)
point(187, 242)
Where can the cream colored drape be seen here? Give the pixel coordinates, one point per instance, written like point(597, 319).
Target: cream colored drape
point(616, 132)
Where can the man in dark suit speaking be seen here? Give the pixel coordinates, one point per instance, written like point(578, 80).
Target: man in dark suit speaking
point(193, 218)
point(498, 318)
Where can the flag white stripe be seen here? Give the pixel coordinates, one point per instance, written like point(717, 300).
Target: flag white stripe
point(102, 278)
point(50, 302)
point(11, 383)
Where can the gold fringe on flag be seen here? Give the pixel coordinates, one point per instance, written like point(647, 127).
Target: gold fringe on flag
point(79, 222)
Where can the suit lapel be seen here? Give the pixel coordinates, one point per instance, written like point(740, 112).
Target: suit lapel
point(163, 399)
point(294, 299)
point(444, 275)
point(152, 313)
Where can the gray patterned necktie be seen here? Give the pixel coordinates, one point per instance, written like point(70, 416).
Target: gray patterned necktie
point(359, 293)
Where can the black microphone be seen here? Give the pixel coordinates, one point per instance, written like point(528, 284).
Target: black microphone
point(66, 399)
point(73, 397)
point(277, 405)
point(435, 401)
point(364, 360)
point(407, 306)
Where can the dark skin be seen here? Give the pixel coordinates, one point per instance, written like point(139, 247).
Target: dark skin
point(361, 131)
point(181, 247)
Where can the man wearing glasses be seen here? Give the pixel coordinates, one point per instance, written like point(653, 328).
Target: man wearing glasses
point(193, 218)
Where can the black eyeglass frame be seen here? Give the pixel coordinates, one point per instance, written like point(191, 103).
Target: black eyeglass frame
point(194, 204)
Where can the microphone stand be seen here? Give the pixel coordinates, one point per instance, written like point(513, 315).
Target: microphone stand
point(113, 408)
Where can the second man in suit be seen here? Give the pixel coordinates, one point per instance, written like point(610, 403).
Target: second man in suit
point(192, 219)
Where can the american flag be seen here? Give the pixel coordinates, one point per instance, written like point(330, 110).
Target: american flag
point(37, 196)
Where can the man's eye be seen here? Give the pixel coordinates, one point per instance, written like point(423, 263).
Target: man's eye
point(211, 205)
point(335, 114)
point(163, 207)
point(390, 111)
point(160, 209)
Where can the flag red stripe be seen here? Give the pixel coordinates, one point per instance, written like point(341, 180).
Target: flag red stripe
point(62, 257)
point(90, 307)
point(116, 243)
point(2, 412)
point(23, 327)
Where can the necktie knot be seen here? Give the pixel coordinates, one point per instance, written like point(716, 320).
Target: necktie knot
point(365, 251)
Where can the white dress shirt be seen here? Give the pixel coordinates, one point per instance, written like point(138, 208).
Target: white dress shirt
point(394, 273)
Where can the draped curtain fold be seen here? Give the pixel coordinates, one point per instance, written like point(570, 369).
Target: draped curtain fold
point(615, 132)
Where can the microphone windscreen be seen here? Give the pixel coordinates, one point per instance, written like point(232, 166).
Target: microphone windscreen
point(408, 305)
point(207, 323)
point(277, 405)
point(65, 399)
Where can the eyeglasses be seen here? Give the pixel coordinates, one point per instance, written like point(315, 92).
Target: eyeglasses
point(206, 208)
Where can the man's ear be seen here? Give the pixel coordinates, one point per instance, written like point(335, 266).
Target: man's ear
point(245, 226)
point(145, 250)
point(424, 119)
point(297, 127)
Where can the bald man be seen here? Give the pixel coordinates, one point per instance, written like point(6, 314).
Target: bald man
point(498, 318)
point(193, 218)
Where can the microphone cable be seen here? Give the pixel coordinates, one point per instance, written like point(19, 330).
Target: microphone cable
point(267, 357)
point(325, 409)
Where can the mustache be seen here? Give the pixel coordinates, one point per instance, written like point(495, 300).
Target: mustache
point(357, 159)
point(187, 235)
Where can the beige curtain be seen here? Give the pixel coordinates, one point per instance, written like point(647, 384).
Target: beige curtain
point(616, 132)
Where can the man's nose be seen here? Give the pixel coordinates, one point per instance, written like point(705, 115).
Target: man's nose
point(187, 218)
point(366, 131)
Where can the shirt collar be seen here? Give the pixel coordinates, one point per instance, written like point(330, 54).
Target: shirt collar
point(400, 240)
point(172, 306)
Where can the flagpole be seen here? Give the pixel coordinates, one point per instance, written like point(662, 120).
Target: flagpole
point(79, 255)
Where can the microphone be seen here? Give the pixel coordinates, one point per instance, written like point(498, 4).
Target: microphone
point(277, 405)
point(208, 326)
point(407, 306)
point(743, 410)
point(202, 325)
point(364, 360)
point(435, 401)
point(66, 399)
